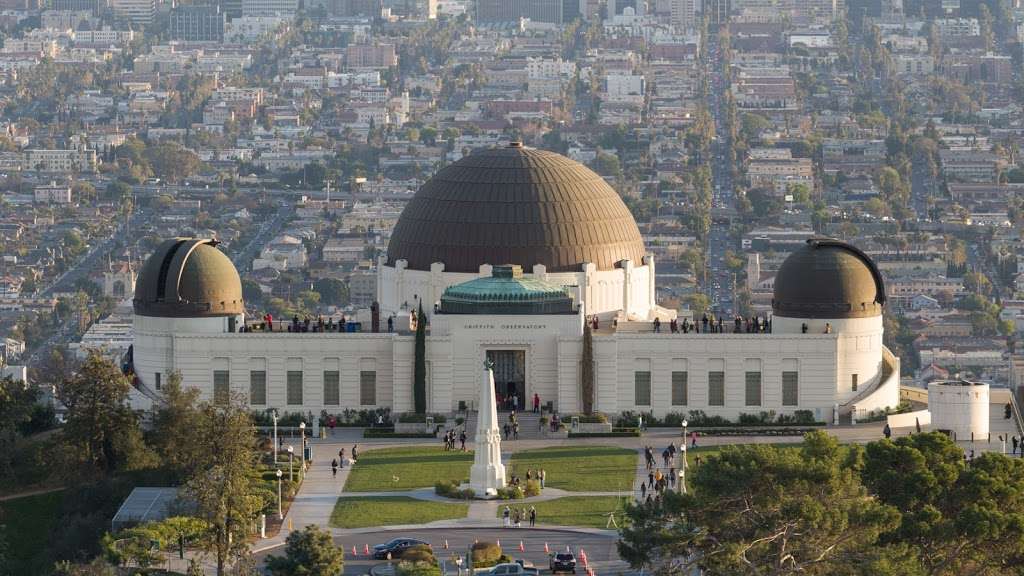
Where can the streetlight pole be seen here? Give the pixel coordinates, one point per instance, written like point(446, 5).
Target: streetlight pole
point(291, 455)
point(280, 514)
point(274, 415)
point(683, 464)
point(302, 432)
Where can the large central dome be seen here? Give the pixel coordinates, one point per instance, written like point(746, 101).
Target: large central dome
point(515, 205)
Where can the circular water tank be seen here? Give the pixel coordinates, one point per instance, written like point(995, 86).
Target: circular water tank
point(960, 407)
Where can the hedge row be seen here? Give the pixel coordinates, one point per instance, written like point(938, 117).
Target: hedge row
point(381, 433)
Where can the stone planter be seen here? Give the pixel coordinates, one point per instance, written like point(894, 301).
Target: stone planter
point(592, 427)
point(413, 428)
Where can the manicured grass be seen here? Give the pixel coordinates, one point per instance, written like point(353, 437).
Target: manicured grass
point(587, 511)
point(399, 469)
point(361, 512)
point(579, 468)
point(30, 521)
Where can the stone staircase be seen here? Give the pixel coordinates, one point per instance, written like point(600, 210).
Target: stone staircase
point(529, 425)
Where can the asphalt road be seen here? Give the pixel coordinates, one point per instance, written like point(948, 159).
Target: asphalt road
point(600, 548)
point(719, 286)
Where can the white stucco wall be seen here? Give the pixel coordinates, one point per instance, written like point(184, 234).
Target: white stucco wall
point(963, 410)
point(629, 288)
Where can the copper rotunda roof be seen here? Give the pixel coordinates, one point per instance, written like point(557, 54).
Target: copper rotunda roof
point(515, 205)
point(188, 278)
point(828, 278)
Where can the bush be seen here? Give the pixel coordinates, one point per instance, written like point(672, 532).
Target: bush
point(532, 488)
point(406, 568)
point(485, 554)
point(450, 489)
point(511, 493)
point(419, 553)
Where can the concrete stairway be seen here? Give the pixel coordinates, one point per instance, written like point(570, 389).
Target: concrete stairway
point(529, 425)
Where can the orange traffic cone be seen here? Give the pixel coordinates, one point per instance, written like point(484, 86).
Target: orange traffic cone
point(354, 551)
point(521, 547)
point(366, 549)
point(546, 549)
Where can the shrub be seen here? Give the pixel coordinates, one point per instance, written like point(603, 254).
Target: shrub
point(419, 553)
point(511, 493)
point(595, 418)
point(532, 488)
point(450, 489)
point(485, 554)
point(406, 568)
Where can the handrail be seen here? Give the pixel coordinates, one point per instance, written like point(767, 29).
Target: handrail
point(888, 368)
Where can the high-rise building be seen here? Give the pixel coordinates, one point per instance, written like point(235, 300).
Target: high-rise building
point(74, 5)
point(136, 12)
point(197, 23)
point(269, 7)
point(616, 7)
point(684, 14)
point(494, 11)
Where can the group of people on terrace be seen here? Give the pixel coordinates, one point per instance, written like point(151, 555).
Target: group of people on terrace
point(708, 324)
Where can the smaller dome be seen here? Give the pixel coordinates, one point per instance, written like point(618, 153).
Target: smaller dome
point(188, 278)
point(506, 291)
point(828, 278)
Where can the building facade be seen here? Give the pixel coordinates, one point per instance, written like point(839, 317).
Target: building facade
point(587, 297)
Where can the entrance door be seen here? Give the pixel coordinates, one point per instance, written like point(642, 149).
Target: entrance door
point(509, 378)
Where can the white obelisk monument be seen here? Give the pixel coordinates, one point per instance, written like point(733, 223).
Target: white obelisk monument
point(487, 473)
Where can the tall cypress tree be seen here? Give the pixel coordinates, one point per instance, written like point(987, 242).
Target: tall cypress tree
point(419, 377)
point(587, 376)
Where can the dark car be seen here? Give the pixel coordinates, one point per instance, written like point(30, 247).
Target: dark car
point(396, 548)
point(562, 562)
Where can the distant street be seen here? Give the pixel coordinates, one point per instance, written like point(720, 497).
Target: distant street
point(719, 283)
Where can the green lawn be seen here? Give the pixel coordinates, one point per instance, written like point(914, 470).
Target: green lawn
point(30, 521)
point(579, 468)
point(398, 469)
point(361, 512)
point(588, 511)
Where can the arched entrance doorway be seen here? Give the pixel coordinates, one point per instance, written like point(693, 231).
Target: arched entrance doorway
point(509, 378)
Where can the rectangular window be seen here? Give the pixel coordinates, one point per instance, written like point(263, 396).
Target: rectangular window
point(258, 387)
point(156, 381)
point(679, 391)
point(221, 387)
point(853, 383)
point(368, 387)
point(716, 388)
point(294, 391)
point(642, 388)
point(332, 394)
point(790, 389)
point(753, 385)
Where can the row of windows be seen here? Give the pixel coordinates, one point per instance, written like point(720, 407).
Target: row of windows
point(716, 388)
point(294, 387)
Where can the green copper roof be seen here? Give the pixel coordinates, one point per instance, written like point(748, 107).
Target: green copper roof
point(506, 291)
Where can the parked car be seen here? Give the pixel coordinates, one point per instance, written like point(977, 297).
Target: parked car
point(562, 562)
point(395, 547)
point(512, 569)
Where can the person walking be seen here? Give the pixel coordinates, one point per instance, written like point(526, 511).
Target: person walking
point(536, 403)
point(533, 517)
point(693, 440)
point(506, 515)
point(355, 453)
point(334, 467)
point(672, 477)
point(543, 476)
point(887, 431)
point(1014, 446)
point(515, 431)
point(643, 490)
point(341, 458)
point(508, 430)
point(650, 478)
point(462, 439)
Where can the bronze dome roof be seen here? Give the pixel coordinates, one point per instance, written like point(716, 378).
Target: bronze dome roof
point(515, 205)
point(188, 278)
point(828, 278)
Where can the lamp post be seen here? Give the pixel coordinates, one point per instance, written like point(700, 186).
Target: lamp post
point(280, 515)
point(683, 464)
point(274, 416)
point(302, 456)
point(291, 454)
